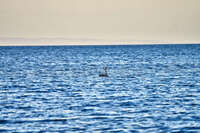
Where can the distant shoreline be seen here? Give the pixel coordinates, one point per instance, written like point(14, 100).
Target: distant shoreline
point(96, 44)
point(78, 41)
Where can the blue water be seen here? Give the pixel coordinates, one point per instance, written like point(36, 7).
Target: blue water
point(58, 89)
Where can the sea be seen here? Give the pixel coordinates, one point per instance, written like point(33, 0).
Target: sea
point(149, 88)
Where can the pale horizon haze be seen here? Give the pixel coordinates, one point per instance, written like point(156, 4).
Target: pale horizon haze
point(111, 21)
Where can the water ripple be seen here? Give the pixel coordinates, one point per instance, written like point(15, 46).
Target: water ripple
point(57, 89)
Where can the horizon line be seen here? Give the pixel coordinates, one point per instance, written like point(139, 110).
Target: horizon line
point(91, 44)
point(71, 41)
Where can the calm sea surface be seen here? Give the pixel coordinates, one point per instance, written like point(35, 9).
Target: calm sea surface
point(58, 89)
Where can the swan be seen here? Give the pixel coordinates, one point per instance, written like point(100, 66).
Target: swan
point(104, 74)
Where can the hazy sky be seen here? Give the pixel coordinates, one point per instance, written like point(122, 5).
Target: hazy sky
point(108, 19)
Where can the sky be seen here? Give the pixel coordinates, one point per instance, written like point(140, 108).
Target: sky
point(109, 20)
